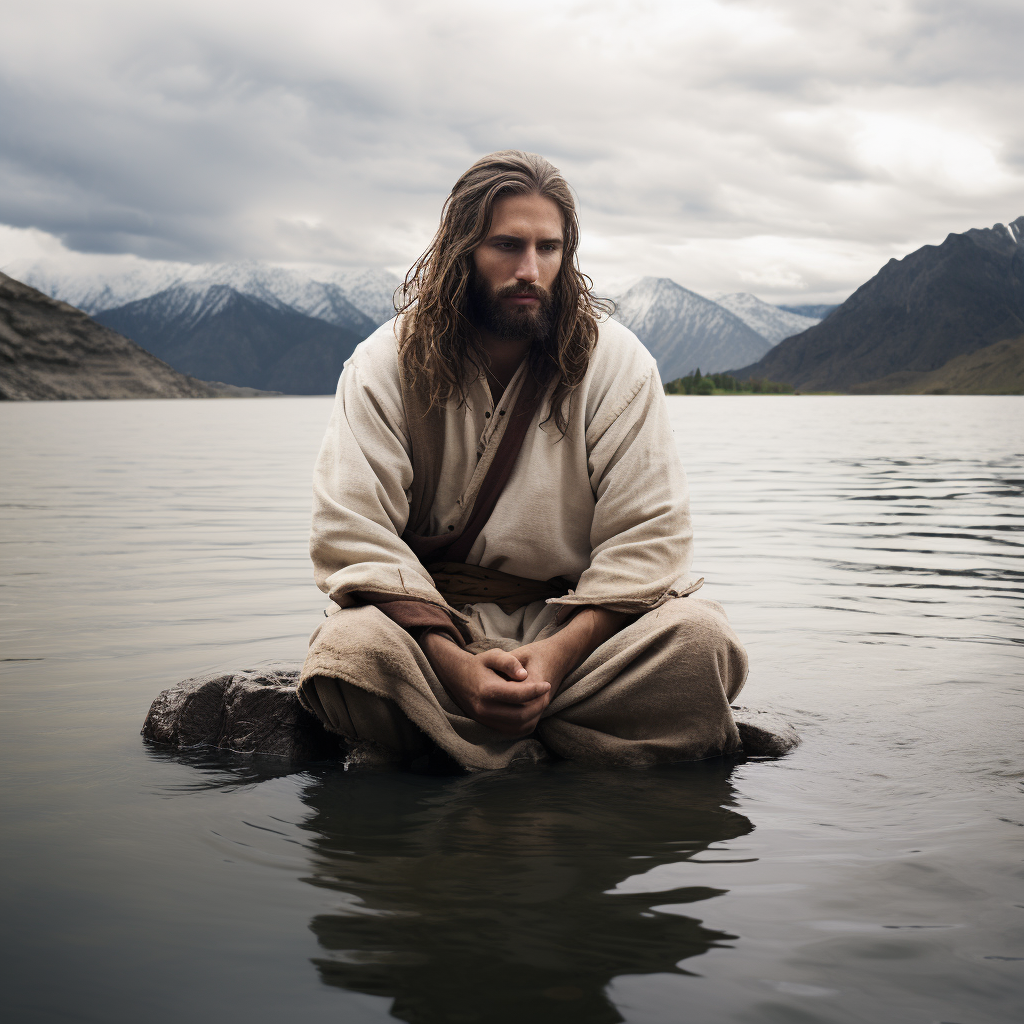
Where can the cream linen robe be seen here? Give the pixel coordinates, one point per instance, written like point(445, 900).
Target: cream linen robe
point(605, 506)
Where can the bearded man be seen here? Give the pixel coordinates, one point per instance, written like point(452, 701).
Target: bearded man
point(500, 518)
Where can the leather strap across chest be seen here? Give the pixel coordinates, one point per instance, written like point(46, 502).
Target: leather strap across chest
point(426, 428)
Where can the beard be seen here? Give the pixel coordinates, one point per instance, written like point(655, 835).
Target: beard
point(533, 323)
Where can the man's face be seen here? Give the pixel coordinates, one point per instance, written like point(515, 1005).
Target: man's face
point(515, 268)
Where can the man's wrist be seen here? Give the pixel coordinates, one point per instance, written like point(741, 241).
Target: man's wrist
point(562, 652)
point(590, 627)
point(440, 649)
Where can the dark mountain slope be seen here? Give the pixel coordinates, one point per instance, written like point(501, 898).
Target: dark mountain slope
point(915, 314)
point(994, 370)
point(216, 333)
point(50, 350)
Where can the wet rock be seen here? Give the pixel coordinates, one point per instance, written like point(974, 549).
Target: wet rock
point(764, 733)
point(254, 711)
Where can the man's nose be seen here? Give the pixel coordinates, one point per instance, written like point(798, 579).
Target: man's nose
point(527, 269)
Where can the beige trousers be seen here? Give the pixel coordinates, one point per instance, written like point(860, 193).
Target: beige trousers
point(657, 691)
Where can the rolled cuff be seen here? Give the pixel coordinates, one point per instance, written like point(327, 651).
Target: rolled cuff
point(416, 617)
point(371, 583)
point(630, 601)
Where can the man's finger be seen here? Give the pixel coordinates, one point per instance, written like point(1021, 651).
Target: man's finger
point(504, 662)
point(524, 710)
point(502, 692)
point(511, 719)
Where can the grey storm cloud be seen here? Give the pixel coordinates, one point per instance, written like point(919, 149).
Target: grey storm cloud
point(785, 147)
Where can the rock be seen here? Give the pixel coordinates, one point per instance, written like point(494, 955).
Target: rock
point(257, 711)
point(764, 733)
point(254, 711)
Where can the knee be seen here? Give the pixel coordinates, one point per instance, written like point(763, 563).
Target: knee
point(693, 621)
point(699, 630)
point(363, 628)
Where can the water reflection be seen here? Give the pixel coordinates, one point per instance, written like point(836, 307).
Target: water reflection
point(219, 770)
point(486, 898)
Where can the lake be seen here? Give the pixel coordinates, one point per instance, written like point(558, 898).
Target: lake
point(868, 552)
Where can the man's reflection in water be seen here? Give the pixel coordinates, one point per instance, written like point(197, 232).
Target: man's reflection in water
point(486, 898)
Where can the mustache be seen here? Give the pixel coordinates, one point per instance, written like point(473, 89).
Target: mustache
point(513, 290)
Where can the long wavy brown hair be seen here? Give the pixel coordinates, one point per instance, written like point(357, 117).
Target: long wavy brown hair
point(438, 336)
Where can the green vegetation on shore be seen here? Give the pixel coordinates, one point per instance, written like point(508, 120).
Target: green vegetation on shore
point(725, 384)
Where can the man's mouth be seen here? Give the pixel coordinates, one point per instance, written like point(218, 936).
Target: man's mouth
point(523, 298)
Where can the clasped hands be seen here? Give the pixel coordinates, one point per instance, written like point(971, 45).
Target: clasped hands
point(508, 690)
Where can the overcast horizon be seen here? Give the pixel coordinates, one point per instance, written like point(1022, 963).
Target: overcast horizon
point(783, 148)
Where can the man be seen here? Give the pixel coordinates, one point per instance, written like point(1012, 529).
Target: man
point(500, 518)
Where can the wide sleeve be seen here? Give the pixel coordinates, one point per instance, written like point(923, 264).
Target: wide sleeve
point(641, 538)
point(361, 485)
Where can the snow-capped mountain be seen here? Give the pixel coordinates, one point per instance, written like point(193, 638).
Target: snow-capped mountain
point(685, 331)
point(357, 300)
point(285, 289)
point(771, 322)
point(94, 283)
point(215, 332)
point(186, 305)
point(370, 291)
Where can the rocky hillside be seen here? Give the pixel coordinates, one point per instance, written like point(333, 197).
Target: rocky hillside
point(216, 333)
point(50, 350)
point(914, 315)
point(685, 331)
point(994, 370)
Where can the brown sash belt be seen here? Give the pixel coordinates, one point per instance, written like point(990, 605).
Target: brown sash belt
point(461, 584)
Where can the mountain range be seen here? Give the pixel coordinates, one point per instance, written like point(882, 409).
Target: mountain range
point(215, 332)
point(773, 323)
point(685, 331)
point(284, 329)
point(945, 318)
point(248, 324)
point(355, 299)
point(915, 316)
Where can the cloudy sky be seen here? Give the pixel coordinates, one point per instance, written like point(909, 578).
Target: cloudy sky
point(783, 147)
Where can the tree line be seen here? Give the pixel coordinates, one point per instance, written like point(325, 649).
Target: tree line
point(724, 384)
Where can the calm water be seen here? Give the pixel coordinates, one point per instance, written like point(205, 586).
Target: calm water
point(868, 551)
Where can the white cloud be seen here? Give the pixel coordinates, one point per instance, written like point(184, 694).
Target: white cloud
point(29, 244)
point(786, 144)
point(913, 151)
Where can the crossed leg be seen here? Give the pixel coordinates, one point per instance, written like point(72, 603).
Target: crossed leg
point(657, 691)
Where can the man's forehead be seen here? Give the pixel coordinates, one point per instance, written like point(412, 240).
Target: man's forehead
point(526, 217)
